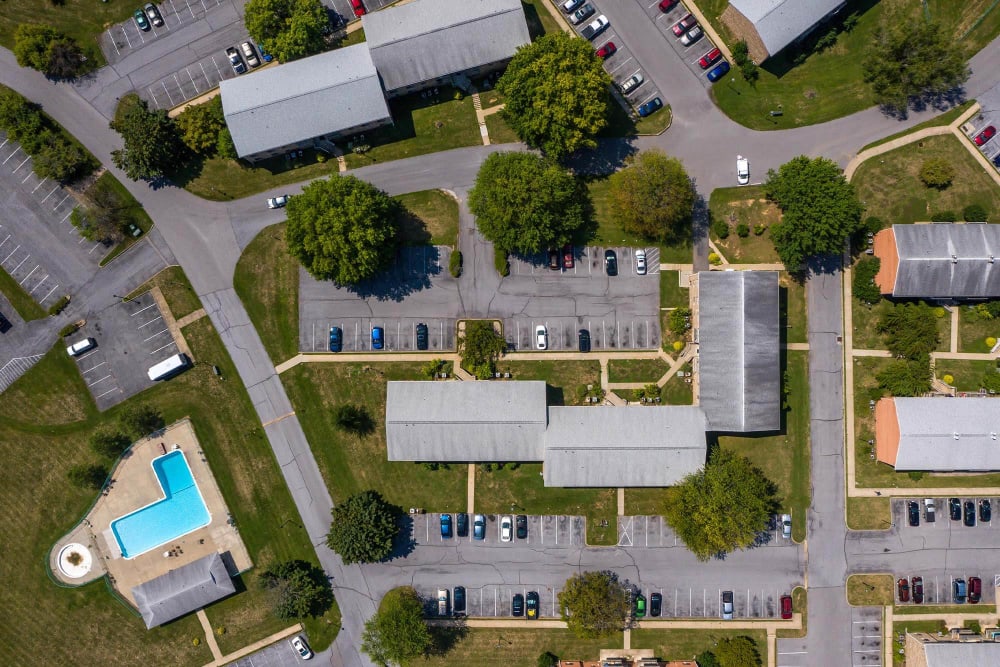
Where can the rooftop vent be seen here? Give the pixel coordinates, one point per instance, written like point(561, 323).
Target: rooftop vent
point(993, 435)
point(991, 259)
point(954, 259)
point(955, 435)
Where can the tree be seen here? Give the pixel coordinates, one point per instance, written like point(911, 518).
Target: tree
point(594, 604)
point(109, 444)
point(525, 203)
point(200, 124)
point(138, 420)
point(547, 659)
point(225, 148)
point(47, 50)
point(296, 589)
point(653, 197)
point(556, 94)
point(88, 476)
point(937, 172)
point(61, 160)
point(342, 229)
point(707, 659)
point(363, 528)
point(737, 652)
point(906, 377)
point(819, 209)
point(289, 29)
point(864, 280)
point(397, 632)
point(701, 508)
point(909, 330)
point(150, 137)
point(481, 346)
point(679, 321)
point(974, 213)
point(353, 419)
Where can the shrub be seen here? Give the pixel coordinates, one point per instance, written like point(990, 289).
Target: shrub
point(69, 329)
point(547, 659)
point(759, 229)
point(749, 71)
point(741, 52)
point(850, 21)
point(88, 476)
point(678, 345)
point(948, 379)
point(139, 420)
point(864, 280)
point(59, 305)
point(827, 40)
point(990, 342)
point(944, 216)
point(320, 158)
point(742, 230)
point(679, 320)
point(915, 475)
point(455, 264)
point(720, 228)
point(109, 444)
point(974, 213)
point(501, 262)
point(714, 259)
point(939, 312)
point(937, 172)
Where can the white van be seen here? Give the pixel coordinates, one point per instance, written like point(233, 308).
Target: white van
point(168, 367)
point(79, 347)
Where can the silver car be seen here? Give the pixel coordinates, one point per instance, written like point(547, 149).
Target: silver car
point(786, 526)
point(727, 605)
point(442, 602)
point(630, 84)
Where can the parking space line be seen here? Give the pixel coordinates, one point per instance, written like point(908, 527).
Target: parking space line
point(21, 165)
point(193, 17)
point(19, 264)
point(144, 309)
point(101, 380)
point(40, 185)
point(161, 348)
point(169, 96)
point(39, 284)
point(125, 32)
point(50, 194)
point(92, 367)
point(49, 294)
point(105, 393)
point(28, 276)
point(11, 155)
point(61, 203)
point(30, 174)
point(158, 317)
point(612, 72)
point(155, 335)
point(4, 241)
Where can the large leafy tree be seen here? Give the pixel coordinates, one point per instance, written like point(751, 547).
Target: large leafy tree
point(288, 29)
point(653, 197)
point(737, 652)
point(556, 94)
point(342, 229)
point(911, 58)
point(296, 589)
point(524, 202)
point(200, 125)
point(150, 138)
point(364, 527)
point(47, 50)
point(722, 507)
point(819, 209)
point(481, 346)
point(397, 632)
point(594, 604)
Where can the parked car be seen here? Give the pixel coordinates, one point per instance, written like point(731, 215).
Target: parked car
point(300, 646)
point(786, 526)
point(235, 60)
point(580, 15)
point(970, 513)
point(913, 510)
point(479, 527)
point(727, 605)
point(571, 5)
point(903, 590)
point(462, 524)
point(640, 605)
point(929, 510)
point(505, 529)
point(568, 260)
point(718, 71)
point(985, 510)
point(553, 256)
point(153, 14)
point(521, 527)
point(650, 107)
point(378, 338)
point(81, 346)
point(442, 602)
point(249, 54)
point(655, 604)
point(742, 170)
point(458, 600)
point(667, 5)
point(630, 84)
point(583, 340)
point(541, 337)
point(595, 27)
point(684, 25)
point(517, 605)
point(786, 607)
point(358, 7)
point(640, 262)
point(532, 604)
point(917, 588)
point(691, 36)
point(996, 160)
point(336, 339)
point(955, 509)
point(141, 20)
point(958, 591)
point(706, 60)
point(607, 50)
point(988, 133)
point(277, 202)
point(421, 336)
point(610, 263)
point(975, 590)
point(445, 526)
point(4, 324)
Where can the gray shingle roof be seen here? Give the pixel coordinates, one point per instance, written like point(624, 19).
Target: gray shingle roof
point(966, 654)
point(465, 421)
point(609, 446)
point(327, 93)
point(940, 433)
point(739, 381)
point(181, 591)
point(428, 39)
point(947, 261)
point(781, 22)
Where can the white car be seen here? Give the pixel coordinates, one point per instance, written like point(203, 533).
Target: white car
point(277, 202)
point(505, 529)
point(541, 337)
point(301, 648)
point(640, 262)
point(786, 526)
point(632, 83)
point(742, 170)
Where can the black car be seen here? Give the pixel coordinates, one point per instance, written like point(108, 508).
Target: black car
point(336, 339)
point(583, 338)
point(4, 324)
point(655, 604)
point(462, 528)
point(913, 509)
point(521, 523)
point(970, 513)
point(458, 600)
point(917, 588)
point(553, 259)
point(421, 336)
point(610, 263)
point(955, 509)
point(517, 605)
point(985, 510)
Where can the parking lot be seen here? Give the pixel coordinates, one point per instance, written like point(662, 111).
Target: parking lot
point(279, 654)
point(942, 521)
point(866, 635)
point(543, 531)
point(131, 336)
point(989, 115)
point(665, 21)
point(651, 531)
point(122, 38)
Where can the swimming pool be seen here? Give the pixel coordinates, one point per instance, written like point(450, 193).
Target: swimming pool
point(181, 510)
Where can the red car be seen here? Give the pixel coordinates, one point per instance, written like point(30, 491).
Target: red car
point(903, 588)
point(667, 5)
point(975, 590)
point(607, 50)
point(359, 9)
point(709, 58)
point(985, 135)
point(684, 25)
point(917, 584)
point(786, 606)
point(567, 255)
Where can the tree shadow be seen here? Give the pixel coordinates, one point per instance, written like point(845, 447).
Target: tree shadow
point(609, 156)
point(445, 637)
point(404, 543)
point(938, 101)
point(535, 27)
point(411, 272)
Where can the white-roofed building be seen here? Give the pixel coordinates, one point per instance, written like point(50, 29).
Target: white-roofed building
point(769, 26)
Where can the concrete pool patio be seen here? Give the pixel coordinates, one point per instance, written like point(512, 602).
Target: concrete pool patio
point(134, 485)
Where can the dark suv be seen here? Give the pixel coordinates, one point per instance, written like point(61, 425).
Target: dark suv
point(914, 511)
point(421, 336)
point(462, 524)
point(517, 605)
point(970, 513)
point(4, 324)
point(985, 510)
point(955, 509)
point(521, 523)
point(610, 263)
point(655, 604)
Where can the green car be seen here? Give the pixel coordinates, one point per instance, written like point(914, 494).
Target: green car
point(141, 20)
point(640, 606)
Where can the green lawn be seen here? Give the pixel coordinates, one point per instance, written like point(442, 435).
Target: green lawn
point(134, 212)
point(973, 330)
point(566, 381)
point(83, 20)
point(870, 590)
point(43, 432)
point(745, 206)
point(865, 326)
point(968, 374)
point(946, 118)
point(219, 179)
point(902, 626)
point(500, 132)
point(636, 370)
point(792, 299)
point(431, 217)
point(891, 189)
point(176, 290)
point(610, 233)
point(539, 19)
point(866, 513)
point(267, 282)
point(25, 306)
point(685, 644)
point(672, 295)
point(489, 647)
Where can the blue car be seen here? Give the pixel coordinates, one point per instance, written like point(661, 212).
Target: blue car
point(479, 527)
point(445, 526)
point(718, 71)
point(650, 107)
point(336, 339)
point(378, 338)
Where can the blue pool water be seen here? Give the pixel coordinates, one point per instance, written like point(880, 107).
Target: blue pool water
point(179, 512)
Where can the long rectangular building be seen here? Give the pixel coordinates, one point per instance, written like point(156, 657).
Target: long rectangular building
point(938, 433)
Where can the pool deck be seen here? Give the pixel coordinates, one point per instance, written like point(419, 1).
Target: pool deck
point(133, 486)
